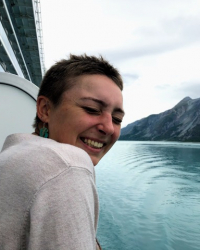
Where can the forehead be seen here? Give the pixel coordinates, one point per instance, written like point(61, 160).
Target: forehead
point(94, 78)
point(100, 87)
point(93, 82)
point(97, 87)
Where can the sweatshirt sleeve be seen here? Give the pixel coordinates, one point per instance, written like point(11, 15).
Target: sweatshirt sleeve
point(64, 213)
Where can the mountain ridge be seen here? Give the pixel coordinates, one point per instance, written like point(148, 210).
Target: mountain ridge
point(180, 123)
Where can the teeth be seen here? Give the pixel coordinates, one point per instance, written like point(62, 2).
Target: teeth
point(93, 144)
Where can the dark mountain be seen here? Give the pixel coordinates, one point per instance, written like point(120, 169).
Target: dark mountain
point(181, 123)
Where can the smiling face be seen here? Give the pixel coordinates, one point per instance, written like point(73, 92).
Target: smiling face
point(89, 116)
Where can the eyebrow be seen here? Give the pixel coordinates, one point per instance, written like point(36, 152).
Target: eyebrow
point(119, 110)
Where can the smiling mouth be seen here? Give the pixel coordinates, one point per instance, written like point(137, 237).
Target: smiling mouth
point(92, 144)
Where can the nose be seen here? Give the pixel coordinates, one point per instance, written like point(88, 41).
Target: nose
point(105, 125)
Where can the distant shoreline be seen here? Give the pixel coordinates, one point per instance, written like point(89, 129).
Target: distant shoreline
point(162, 141)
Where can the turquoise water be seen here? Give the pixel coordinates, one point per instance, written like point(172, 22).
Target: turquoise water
point(149, 196)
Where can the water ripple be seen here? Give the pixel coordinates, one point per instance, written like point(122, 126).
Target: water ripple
point(150, 196)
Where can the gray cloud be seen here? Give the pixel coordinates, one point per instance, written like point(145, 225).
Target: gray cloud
point(129, 79)
point(186, 28)
point(178, 92)
point(169, 35)
point(162, 87)
point(191, 89)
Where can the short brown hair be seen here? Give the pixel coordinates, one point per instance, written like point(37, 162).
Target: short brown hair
point(59, 78)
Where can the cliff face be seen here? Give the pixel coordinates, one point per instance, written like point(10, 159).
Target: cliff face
point(181, 123)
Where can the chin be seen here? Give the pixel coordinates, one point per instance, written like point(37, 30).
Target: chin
point(94, 160)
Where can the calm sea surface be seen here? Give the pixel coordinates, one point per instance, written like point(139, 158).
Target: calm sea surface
point(149, 196)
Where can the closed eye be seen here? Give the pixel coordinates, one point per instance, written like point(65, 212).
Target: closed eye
point(117, 120)
point(90, 110)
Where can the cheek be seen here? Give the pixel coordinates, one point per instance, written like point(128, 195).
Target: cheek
point(116, 134)
point(87, 121)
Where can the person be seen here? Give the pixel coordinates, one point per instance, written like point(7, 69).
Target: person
point(48, 197)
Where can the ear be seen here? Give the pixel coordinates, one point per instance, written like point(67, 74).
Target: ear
point(43, 108)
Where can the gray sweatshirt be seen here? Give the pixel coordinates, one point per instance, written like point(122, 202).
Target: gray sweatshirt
point(48, 198)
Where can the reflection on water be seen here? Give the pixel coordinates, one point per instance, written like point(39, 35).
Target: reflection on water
point(150, 196)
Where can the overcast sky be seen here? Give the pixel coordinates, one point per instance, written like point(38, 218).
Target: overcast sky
point(155, 44)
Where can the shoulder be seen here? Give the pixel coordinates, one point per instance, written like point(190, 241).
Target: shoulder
point(35, 156)
point(31, 146)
